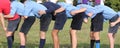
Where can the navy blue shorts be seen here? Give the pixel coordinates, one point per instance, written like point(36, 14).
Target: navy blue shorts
point(114, 29)
point(45, 21)
point(60, 20)
point(97, 23)
point(77, 21)
point(27, 24)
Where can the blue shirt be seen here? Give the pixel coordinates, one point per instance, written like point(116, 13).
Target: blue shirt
point(68, 8)
point(79, 1)
point(32, 8)
point(108, 12)
point(88, 10)
point(17, 7)
point(119, 13)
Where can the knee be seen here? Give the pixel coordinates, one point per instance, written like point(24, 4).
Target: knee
point(42, 35)
point(9, 34)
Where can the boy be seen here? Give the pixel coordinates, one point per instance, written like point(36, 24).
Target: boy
point(96, 24)
point(77, 15)
point(112, 34)
point(31, 8)
point(112, 16)
point(108, 14)
point(17, 9)
point(4, 9)
point(113, 27)
point(60, 19)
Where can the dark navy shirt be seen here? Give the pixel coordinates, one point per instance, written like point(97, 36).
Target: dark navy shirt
point(51, 7)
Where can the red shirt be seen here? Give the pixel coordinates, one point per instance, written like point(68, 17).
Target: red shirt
point(5, 7)
point(16, 16)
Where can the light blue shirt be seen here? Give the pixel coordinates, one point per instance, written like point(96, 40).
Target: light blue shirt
point(68, 8)
point(108, 12)
point(88, 10)
point(119, 13)
point(17, 7)
point(79, 1)
point(33, 8)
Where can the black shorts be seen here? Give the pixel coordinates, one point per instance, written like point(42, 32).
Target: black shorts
point(60, 20)
point(45, 21)
point(13, 25)
point(27, 24)
point(114, 29)
point(97, 23)
point(77, 21)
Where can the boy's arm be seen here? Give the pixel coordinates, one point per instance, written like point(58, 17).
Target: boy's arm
point(78, 11)
point(114, 23)
point(8, 16)
point(61, 9)
point(90, 14)
point(85, 20)
point(2, 21)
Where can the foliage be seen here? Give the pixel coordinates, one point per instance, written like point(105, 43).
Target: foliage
point(115, 4)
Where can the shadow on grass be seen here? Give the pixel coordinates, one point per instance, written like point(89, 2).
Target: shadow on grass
point(29, 45)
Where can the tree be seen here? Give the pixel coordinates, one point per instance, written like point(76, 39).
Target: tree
point(115, 4)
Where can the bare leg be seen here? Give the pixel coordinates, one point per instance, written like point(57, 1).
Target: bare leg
point(73, 38)
point(42, 39)
point(22, 39)
point(111, 39)
point(92, 40)
point(55, 38)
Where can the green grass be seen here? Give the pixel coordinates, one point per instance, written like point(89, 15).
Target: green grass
point(83, 37)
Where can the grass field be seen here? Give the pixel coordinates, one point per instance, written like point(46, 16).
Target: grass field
point(83, 37)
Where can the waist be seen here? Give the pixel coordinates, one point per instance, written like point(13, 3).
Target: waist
point(114, 18)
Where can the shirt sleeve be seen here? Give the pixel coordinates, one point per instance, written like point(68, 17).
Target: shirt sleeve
point(13, 8)
point(119, 13)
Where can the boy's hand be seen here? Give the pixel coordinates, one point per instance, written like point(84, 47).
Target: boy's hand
point(90, 14)
point(85, 20)
point(24, 17)
point(113, 24)
point(5, 29)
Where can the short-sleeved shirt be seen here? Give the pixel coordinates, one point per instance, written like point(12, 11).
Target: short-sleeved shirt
point(68, 8)
point(89, 9)
point(5, 7)
point(32, 8)
point(51, 7)
point(108, 12)
point(17, 9)
point(119, 13)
